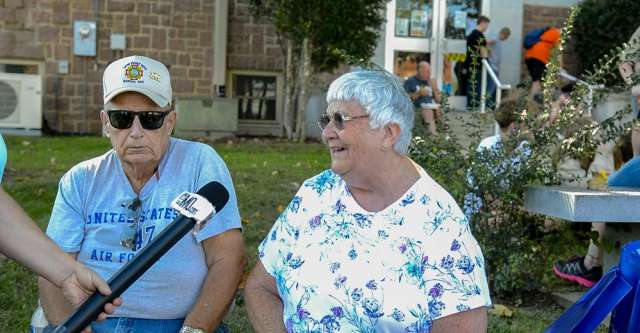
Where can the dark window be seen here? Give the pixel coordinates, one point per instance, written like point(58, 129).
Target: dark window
point(18, 69)
point(256, 97)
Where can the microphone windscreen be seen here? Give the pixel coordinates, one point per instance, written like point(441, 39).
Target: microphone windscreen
point(216, 194)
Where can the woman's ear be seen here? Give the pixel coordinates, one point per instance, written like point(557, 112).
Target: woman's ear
point(391, 135)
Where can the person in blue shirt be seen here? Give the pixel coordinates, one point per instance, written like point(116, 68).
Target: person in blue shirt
point(587, 270)
point(425, 95)
point(110, 207)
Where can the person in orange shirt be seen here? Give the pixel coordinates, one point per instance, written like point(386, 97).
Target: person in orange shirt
point(537, 57)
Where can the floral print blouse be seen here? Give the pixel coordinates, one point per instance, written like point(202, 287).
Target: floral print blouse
point(340, 268)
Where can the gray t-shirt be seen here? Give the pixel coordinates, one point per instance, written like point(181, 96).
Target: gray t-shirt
point(495, 54)
point(90, 217)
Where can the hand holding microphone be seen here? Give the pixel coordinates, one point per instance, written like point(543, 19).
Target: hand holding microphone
point(194, 209)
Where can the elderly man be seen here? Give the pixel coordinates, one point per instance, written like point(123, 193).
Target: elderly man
point(425, 95)
point(110, 207)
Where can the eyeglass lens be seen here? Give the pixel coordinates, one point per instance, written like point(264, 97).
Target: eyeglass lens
point(338, 120)
point(123, 119)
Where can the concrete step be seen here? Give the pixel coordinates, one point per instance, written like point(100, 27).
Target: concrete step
point(459, 123)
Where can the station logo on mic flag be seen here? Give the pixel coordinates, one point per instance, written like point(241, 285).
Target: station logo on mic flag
point(193, 206)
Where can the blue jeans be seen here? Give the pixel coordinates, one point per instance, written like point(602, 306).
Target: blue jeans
point(135, 325)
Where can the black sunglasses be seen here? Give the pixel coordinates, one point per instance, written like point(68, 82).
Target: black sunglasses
point(150, 120)
point(129, 236)
point(338, 119)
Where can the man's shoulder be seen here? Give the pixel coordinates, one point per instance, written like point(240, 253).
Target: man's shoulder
point(411, 80)
point(93, 163)
point(489, 142)
point(182, 147)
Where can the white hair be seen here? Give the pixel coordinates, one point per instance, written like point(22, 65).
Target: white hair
point(382, 97)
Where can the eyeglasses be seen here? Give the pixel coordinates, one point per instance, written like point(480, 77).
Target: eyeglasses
point(150, 120)
point(338, 119)
point(129, 236)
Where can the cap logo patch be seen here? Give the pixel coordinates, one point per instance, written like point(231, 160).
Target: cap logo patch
point(154, 76)
point(133, 71)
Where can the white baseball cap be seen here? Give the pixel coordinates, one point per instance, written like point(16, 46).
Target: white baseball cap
point(139, 74)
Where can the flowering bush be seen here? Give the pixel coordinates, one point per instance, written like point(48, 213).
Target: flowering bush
point(490, 186)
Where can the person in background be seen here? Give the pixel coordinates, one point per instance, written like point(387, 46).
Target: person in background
point(496, 156)
point(425, 95)
point(538, 56)
point(495, 58)
point(587, 270)
point(374, 244)
point(476, 51)
point(23, 241)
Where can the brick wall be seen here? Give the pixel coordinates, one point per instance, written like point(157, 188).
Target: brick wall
point(177, 33)
point(252, 43)
point(540, 16)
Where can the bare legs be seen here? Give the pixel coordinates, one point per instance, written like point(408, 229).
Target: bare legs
point(430, 116)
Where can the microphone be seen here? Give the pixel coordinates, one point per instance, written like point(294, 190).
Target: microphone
point(193, 209)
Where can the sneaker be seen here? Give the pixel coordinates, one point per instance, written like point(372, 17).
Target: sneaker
point(574, 270)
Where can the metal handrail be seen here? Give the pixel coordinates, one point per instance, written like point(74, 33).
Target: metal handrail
point(590, 88)
point(486, 68)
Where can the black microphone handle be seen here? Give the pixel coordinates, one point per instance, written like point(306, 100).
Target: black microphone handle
point(127, 275)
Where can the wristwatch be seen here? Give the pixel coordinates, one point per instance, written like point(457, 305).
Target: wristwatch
point(189, 329)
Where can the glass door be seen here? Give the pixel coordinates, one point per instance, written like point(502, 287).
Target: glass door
point(430, 30)
point(411, 35)
point(456, 19)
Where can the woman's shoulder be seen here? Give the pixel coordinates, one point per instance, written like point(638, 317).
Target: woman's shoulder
point(432, 193)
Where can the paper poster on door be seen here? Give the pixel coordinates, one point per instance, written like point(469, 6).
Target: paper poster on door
point(419, 23)
point(402, 27)
point(460, 20)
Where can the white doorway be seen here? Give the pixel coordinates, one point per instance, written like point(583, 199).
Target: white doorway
point(431, 30)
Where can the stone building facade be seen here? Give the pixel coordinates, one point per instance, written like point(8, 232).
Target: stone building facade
point(36, 35)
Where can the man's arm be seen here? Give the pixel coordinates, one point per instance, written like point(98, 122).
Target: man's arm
point(264, 305)
point(435, 90)
point(225, 262)
point(470, 321)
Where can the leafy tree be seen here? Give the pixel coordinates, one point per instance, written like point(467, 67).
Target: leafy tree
point(310, 33)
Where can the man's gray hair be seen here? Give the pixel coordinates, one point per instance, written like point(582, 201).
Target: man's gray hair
point(382, 97)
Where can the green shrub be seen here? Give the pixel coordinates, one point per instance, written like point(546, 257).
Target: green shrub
point(518, 254)
point(602, 25)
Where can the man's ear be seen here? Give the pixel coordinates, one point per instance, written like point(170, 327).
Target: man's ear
point(391, 135)
point(105, 123)
point(171, 119)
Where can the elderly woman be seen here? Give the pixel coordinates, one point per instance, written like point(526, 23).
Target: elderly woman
point(374, 244)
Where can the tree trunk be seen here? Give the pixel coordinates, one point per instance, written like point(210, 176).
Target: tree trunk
point(290, 89)
point(305, 76)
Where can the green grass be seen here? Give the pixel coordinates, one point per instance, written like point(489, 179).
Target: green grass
point(266, 175)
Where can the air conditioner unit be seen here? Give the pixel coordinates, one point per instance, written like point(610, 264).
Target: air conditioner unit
point(20, 101)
